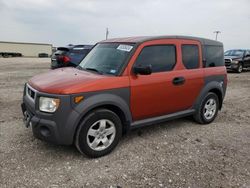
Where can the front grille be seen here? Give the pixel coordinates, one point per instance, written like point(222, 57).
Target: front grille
point(228, 62)
point(30, 92)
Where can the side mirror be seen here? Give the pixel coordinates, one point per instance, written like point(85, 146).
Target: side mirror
point(143, 70)
point(248, 55)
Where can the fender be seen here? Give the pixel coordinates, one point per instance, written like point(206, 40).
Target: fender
point(117, 97)
point(212, 85)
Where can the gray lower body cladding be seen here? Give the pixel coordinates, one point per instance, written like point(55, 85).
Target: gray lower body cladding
point(60, 127)
point(51, 127)
point(216, 83)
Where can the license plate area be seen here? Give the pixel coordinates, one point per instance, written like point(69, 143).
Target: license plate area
point(26, 116)
point(27, 119)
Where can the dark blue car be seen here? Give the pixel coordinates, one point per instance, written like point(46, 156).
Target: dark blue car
point(69, 56)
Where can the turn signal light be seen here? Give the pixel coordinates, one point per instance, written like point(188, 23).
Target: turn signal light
point(78, 99)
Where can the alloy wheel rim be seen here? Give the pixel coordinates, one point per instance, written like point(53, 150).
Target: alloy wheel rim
point(101, 134)
point(240, 68)
point(210, 109)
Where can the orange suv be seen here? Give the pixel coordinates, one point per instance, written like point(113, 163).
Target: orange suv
point(126, 83)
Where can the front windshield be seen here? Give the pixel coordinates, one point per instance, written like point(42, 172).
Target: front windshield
point(106, 58)
point(238, 53)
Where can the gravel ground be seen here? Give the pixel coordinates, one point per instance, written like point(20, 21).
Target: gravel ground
point(178, 153)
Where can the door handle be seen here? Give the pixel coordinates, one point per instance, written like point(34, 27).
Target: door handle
point(178, 80)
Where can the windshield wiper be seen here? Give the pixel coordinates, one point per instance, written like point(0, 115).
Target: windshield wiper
point(79, 67)
point(93, 69)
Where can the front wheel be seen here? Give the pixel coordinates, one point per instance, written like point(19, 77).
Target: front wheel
point(5, 55)
point(240, 68)
point(208, 109)
point(99, 133)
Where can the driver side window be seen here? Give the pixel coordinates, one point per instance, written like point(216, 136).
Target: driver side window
point(161, 57)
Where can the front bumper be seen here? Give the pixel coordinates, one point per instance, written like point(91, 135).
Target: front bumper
point(55, 65)
point(232, 66)
point(58, 127)
point(43, 129)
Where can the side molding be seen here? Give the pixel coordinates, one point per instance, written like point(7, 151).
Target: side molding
point(159, 119)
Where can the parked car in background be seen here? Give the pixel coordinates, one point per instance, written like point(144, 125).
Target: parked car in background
point(43, 55)
point(10, 54)
point(237, 59)
point(126, 83)
point(69, 56)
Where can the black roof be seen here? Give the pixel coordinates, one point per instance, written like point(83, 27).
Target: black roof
point(141, 39)
point(71, 46)
point(239, 49)
point(85, 46)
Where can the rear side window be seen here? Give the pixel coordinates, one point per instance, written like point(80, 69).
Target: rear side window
point(160, 57)
point(214, 56)
point(190, 56)
point(60, 52)
point(76, 55)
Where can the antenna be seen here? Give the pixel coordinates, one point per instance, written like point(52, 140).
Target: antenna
point(107, 33)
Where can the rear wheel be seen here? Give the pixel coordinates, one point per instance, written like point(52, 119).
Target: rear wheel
point(99, 133)
point(208, 109)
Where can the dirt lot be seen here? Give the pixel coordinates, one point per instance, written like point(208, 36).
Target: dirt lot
point(178, 153)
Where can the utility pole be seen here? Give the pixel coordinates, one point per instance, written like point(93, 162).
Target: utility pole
point(107, 33)
point(216, 34)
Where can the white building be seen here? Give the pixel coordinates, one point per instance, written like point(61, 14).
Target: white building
point(26, 49)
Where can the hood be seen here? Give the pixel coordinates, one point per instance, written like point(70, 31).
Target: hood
point(64, 81)
point(233, 57)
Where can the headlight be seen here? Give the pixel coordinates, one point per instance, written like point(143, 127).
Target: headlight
point(235, 62)
point(48, 104)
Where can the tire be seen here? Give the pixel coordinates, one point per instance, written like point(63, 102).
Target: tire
point(207, 113)
point(5, 55)
point(240, 68)
point(99, 133)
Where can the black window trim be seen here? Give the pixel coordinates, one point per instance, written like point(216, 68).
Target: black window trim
point(170, 44)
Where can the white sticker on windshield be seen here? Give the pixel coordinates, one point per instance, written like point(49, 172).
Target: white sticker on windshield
point(78, 48)
point(124, 47)
point(112, 71)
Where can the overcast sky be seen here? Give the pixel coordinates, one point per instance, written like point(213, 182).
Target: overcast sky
point(61, 22)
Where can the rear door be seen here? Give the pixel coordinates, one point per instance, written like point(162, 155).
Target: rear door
point(192, 70)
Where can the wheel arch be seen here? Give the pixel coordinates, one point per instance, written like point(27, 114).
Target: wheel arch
point(110, 102)
point(214, 87)
point(114, 108)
